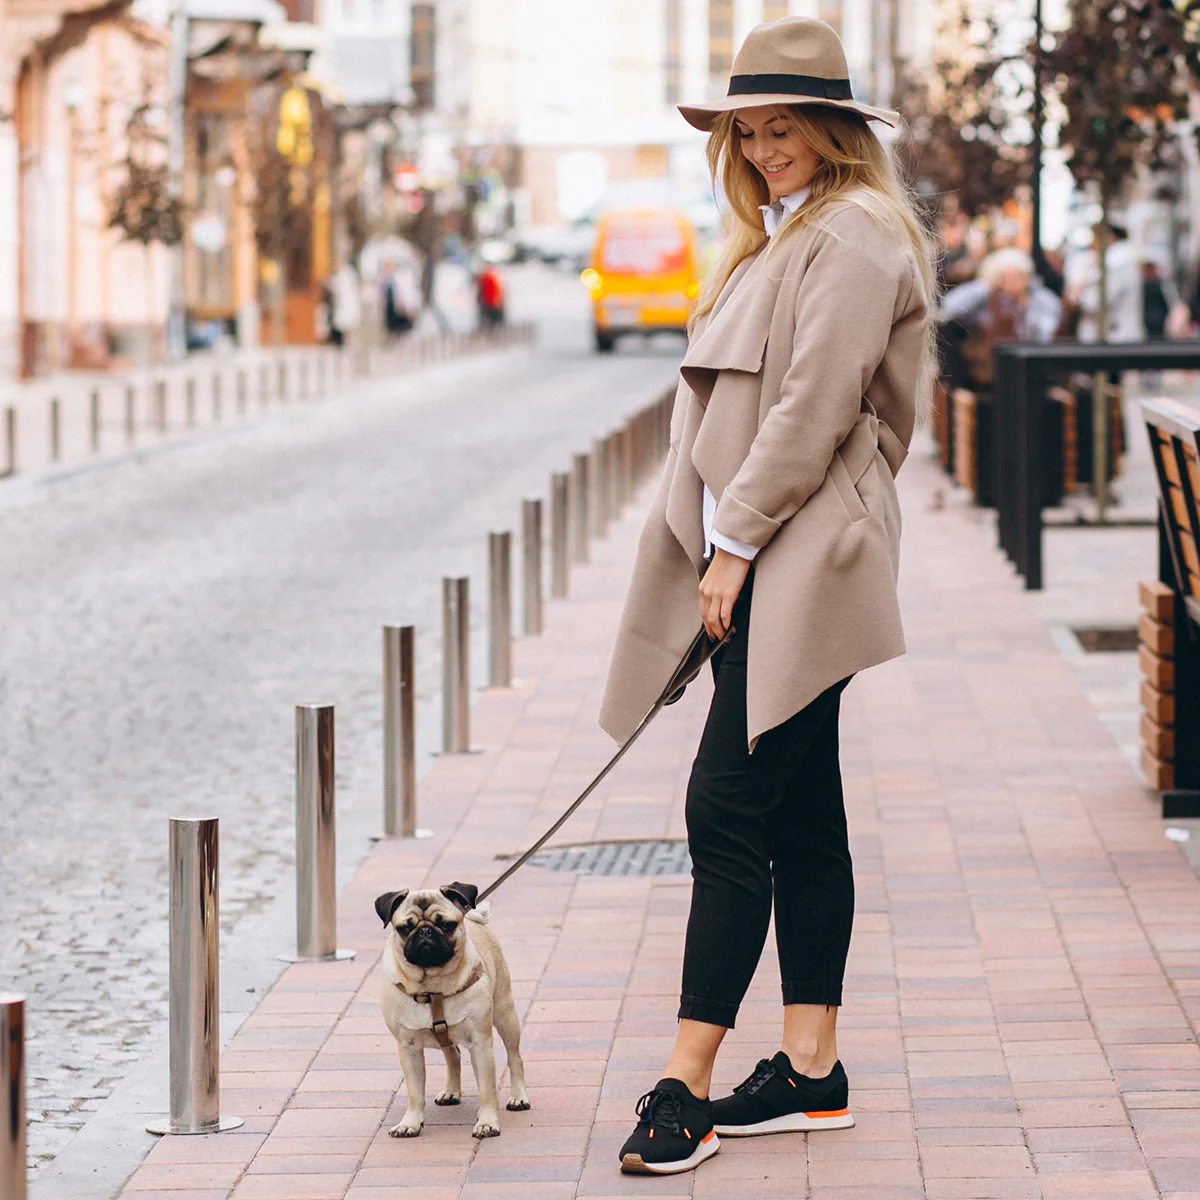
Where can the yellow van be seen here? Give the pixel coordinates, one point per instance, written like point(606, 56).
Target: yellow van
point(643, 276)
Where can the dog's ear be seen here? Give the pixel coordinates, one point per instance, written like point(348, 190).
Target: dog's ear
point(463, 894)
point(387, 904)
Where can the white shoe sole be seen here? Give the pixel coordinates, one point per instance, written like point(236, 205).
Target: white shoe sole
point(790, 1123)
point(632, 1164)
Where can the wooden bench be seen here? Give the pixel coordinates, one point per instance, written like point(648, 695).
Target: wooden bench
point(1169, 627)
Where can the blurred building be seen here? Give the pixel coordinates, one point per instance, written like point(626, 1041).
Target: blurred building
point(71, 72)
point(574, 99)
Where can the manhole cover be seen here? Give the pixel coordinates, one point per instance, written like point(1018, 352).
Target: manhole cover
point(662, 857)
point(1099, 641)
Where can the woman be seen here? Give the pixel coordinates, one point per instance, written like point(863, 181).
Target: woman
point(809, 350)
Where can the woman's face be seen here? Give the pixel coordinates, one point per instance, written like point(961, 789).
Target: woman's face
point(770, 141)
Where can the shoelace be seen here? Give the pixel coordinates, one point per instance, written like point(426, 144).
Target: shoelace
point(763, 1073)
point(660, 1110)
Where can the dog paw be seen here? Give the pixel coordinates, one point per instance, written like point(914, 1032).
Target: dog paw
point(485, 1129)
point(518, 1104)
point(405, 1130)
point(447, 1098)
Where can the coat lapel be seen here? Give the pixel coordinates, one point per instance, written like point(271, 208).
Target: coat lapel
point(734, 336)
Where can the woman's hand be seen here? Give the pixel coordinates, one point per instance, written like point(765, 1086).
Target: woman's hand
point(719, 589)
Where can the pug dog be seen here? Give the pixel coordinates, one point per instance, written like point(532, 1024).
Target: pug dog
point(445, 983)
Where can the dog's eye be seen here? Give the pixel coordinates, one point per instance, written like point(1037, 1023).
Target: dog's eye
point(442, 923)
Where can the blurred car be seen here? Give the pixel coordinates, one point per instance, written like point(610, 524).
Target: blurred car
point(568, 245)
point(644, 275)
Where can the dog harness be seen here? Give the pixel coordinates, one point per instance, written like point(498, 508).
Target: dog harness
point(437, 1006)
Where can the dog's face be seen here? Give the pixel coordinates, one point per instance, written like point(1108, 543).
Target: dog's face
point(428, 924)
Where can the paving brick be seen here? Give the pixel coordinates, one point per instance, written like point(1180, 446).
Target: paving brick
point(1012, 1029)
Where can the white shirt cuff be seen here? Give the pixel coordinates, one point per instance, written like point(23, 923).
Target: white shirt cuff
point(731, 546)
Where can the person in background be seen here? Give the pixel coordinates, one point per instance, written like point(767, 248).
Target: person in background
point(345, 303)
point(489, 296)
point(1007, 302)
point(397, 313)
point(1123, 286)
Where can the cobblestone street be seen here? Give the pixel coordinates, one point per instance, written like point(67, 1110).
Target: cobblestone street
point(164, 614)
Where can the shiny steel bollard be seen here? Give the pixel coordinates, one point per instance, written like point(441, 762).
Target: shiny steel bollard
point(264, 385)
point(281, 377)
point(94, 419)
point(578, 506)
point(612, 454)
point(559, 569)
point(241, 392)
point(190, 402)
point(456, 667)
point(14, 1170)
point(531, 562)
point(195, 1034)
point(55, 430)
point(160, 405)
point(130, 415)
point(216, 397)
point(500, 610)
point(598, 482)
point(316, 838)
point(10, 441)
point(625, 448)
point(399, 734)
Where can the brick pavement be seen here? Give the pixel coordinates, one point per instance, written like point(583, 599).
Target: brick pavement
point(1023, 988)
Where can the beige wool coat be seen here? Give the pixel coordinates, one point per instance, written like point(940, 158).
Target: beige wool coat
point(796, 406)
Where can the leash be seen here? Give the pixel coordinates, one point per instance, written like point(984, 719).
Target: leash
point(698, 653)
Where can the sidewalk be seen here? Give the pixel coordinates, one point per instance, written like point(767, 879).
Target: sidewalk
point(1023, 988)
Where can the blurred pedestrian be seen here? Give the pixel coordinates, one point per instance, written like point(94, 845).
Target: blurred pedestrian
point(429, 266)
point(1006, 302)
point(489, 296)
point(810, 352)
point(398, 312)
point(1123, 288)
point(345, 303)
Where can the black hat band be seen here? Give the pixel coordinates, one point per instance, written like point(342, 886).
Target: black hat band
point(790, 85)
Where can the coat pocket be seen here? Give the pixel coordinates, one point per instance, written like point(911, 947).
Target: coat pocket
point(855, 508)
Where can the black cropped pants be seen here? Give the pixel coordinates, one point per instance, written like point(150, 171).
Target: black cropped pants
point(765, 826)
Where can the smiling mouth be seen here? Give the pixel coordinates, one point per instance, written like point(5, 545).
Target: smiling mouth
point(776, 170)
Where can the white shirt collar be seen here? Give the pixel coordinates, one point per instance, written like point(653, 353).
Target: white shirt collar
point(773, 214)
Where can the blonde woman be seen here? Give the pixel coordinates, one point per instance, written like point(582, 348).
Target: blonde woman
point(809, 354)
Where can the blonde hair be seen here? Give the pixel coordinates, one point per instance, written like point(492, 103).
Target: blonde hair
point(854, 167)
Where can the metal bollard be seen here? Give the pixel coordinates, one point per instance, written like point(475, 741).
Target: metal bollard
point(559, 577)
point(130, 415)
point(94, 419)
point(55, 430)
point(191, 402)
point(531, 558)
point(322, 359)
point(500, 610)
point(302, 373)
point(241, 392)
point(625, 447)
point(10, 441)
point(456, 673)
point(577, 506)
point(316, 840)
point(281, 380)
point(195, 1014)
point(14, 1169)
point(599, 489)
point(612, 469)
point(216, 397)
point(399, 734)
point(264, 385)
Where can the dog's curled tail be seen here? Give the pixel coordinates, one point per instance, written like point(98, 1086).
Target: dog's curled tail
point(482, 912)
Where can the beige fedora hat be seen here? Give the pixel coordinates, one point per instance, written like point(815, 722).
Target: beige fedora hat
point(795, 60)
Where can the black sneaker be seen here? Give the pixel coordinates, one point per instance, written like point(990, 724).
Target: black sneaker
point(776, 1099)
point(674, 1132)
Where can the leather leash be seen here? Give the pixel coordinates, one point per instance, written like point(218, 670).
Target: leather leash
point(698, 653)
